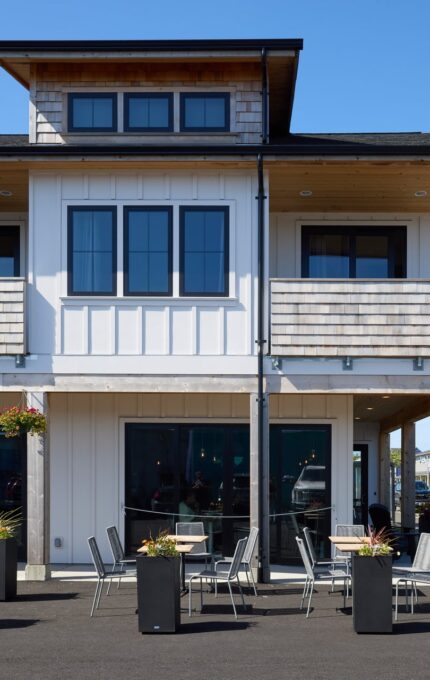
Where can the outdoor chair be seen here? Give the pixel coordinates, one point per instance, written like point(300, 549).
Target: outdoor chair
point(399, 541)
point(418, 571)
point(102, 574)
point(347, 530)
point(230, 576)
point(247, 557)
point(312, 576)
point(199, 551)
point(117, 552)
point(325, 563)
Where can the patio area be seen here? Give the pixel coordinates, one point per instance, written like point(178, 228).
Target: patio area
point(47, 633)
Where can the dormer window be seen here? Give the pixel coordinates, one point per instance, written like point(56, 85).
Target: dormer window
point(96, 112)
point(208, 112)
point(148, 112)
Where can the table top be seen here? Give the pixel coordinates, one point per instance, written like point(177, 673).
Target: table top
point(348, 539)
point(181, 548)
point(178, 538)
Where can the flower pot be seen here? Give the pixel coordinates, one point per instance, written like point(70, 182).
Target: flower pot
point(8, 568)
point(372, 607)
point(158, 594)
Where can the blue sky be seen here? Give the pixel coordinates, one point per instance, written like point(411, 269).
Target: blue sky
point(364, 67)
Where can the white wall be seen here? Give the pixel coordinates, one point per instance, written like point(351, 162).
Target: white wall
point(79, 330)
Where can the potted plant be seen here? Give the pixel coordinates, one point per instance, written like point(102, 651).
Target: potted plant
point(372, 585)
point(15, 421)
point(158, 586)
point(424, 518)
point(9, 523)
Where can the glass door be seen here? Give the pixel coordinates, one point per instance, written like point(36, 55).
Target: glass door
point(361, 484)
point(13, 484)
point(300, 488)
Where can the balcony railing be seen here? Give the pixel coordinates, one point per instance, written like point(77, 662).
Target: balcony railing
point(353, 317)
point(12, 316)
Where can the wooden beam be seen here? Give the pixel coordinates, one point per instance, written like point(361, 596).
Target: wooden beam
point(384, 468)
point(416, 411)
point(408, 476)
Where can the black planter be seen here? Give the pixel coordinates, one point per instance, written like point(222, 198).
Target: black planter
point(372, 594)
point(158, 594)
point(8, 568)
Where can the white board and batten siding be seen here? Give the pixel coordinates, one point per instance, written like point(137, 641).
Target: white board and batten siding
point(133, 332)
point(87, 452)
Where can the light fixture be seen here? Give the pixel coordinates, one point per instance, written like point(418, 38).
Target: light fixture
point(357, 418)
point(418, 364)
point(386, 396)
point(347, 364)
point(420, 194)
point(276, 363)
point(5, 193)
point(305, 193)
point(369, 408)
point(19, 361)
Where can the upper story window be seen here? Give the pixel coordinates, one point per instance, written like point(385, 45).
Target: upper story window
point(205, 112)
point(92, 251)
point(148, 112)
point(9, 251)
point(96, 112)
point(354, 252)
point(148, 251)
point(204, 256)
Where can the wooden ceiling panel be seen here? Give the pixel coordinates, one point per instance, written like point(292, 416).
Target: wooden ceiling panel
point(15, 181)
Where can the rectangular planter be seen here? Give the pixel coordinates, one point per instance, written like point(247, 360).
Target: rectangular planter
point(158, 594)
point(372, 594)
point(8, 568)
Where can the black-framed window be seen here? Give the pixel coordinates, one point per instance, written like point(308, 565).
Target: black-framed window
point(9, 251)
point(148, 250)
point(91, 250)
point(92, 112)
point(205, 112)
point(148, 112)
point(204, 251)
point(354, 252)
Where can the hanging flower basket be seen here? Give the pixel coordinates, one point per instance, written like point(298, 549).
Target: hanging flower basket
point(15, 421)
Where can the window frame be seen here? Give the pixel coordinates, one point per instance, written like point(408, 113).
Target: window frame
point(147, 95)
point(204, 208)
point(91, 208)
point(397, 235)
point(204, 95)
point(14, 231)
point(92, 95)
point(127, 209)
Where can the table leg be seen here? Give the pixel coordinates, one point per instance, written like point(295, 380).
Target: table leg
point(184, 590)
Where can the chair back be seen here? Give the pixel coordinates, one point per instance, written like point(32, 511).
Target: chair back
point(422, 555)
point(115, 543)
point(96, 557)
point(380, 516)
point(310, 545)
point(237, 558)
point(250, 546)
point(192, 529)
point(348, 530)
point(305, 558)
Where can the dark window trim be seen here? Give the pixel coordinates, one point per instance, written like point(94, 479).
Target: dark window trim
point(159, 208)
point(14, 231)
point(149, 95)
point(205, 95)
point(204, 208)
point(70, 210)
point(398, 234)
point(92, 95)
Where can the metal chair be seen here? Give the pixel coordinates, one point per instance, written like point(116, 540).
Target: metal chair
point(102, 574)
point(222, 576)
point(247, 557)
point(419, 571)
point(324, 563)
point(117, 552)
point(312, 575)
point(199, 550)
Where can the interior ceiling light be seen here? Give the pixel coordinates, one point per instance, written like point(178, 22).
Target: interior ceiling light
point(369, 408)
point(420, 194)
point(5, 193)
point(305, 193)
point(357, 418)
point(386, 396)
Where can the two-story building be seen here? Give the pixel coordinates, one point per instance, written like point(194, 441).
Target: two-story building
point(220, 319)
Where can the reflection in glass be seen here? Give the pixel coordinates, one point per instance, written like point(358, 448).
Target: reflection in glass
point(328, 256)
point(204, 235)
point(92, 251)
point(204, 112)
point(148, 112)
point(371, 253)
point(88, 112)
point(147, 251)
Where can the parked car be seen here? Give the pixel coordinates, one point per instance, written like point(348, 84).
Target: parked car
point(422, 493)
point(309, 487)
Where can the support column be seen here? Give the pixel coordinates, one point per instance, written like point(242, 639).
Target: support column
point(408, 475)
point(38, 497)
point(384, 469)
point(260, 494)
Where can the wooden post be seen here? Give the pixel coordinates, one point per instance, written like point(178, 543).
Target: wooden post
point(37, 568)
point(384, 469)
point(257, 494)
point(408, 475)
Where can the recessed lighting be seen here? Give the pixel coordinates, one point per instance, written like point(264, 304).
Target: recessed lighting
point(5, 193)
point(386, 396)
point(306, 193)
point(420, 194)
point(357, 418)
point(369, 408)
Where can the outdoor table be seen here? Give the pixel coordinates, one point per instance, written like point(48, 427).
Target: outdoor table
point(349, 543)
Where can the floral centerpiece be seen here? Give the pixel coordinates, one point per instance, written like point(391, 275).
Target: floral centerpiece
point(378, 544)
point(162, 546)
point(16, 421)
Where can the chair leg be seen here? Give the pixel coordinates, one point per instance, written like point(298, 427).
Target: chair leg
point(99, 594)
point(190, 591)
point(396, 609)
point(253, 581)
point(201, 593)
point(96, 592)
point(304, 592)
point(241, 591)
point(232, 600)
point(310, 599)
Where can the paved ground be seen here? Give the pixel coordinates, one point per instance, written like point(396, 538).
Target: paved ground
point(47, 633)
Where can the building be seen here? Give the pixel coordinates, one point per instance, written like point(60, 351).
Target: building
point(210, 310)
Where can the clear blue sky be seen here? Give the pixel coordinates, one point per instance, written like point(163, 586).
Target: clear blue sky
point(365, 66)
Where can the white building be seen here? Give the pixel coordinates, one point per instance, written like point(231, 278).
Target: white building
point(184, 280)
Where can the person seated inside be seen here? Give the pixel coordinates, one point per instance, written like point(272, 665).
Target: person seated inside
point(187, 506)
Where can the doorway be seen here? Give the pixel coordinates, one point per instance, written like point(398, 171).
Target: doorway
point(13, 484)
point(361, 484)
